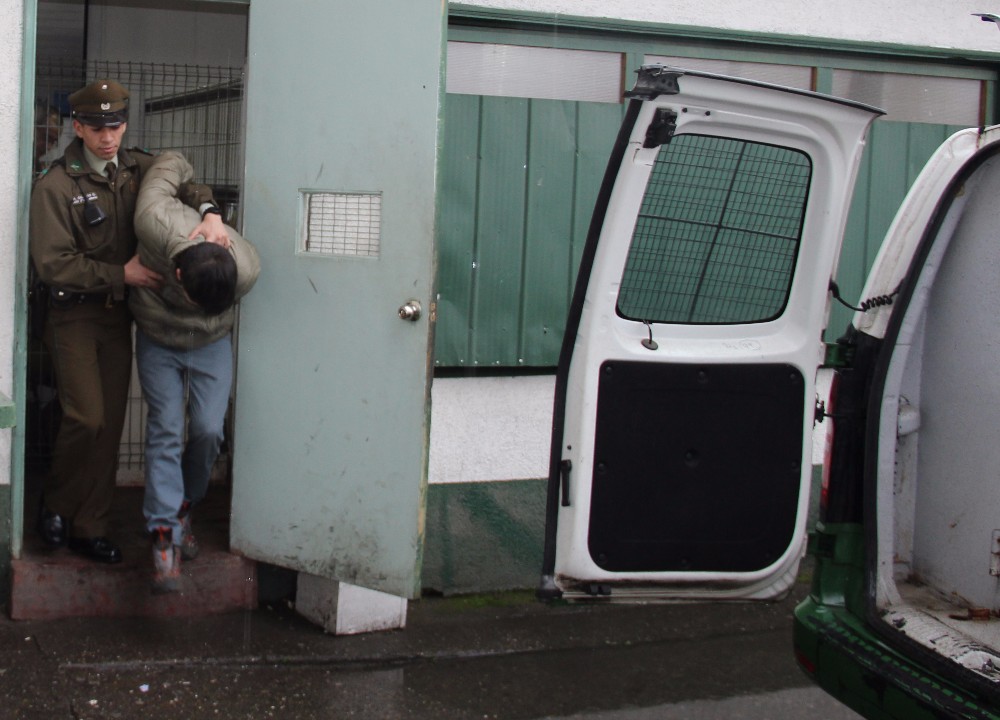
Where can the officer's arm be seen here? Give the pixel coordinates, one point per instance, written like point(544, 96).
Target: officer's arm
point(138, 275)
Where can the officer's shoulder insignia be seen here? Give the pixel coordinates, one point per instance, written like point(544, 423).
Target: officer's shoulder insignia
point(143, 151)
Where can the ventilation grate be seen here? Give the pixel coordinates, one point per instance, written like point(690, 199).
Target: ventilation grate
point(344, 224)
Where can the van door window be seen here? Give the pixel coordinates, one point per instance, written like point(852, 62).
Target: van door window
point(718, 233)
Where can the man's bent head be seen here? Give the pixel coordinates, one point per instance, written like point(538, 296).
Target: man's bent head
point(208, 274)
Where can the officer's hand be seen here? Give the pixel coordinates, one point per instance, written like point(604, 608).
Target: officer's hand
point(212, 229)
point(139, 275)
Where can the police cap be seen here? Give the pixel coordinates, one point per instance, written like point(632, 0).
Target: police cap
point(103, 103)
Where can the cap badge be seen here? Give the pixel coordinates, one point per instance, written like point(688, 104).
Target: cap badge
point(105, 106)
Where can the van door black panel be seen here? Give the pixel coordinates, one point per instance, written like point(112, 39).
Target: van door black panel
point(696, 467)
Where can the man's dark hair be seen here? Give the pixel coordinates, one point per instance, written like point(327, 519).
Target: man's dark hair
point(208, 274)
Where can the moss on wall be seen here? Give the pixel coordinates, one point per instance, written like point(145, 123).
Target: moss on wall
point(483, 536)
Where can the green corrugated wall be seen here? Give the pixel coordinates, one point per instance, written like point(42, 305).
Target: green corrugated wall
point(518, 182)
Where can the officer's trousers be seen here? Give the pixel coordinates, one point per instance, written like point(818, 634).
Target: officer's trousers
point(91, 348)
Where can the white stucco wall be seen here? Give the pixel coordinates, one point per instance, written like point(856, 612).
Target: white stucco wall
point(931, 23)
point(10, 83)
point(491, 428)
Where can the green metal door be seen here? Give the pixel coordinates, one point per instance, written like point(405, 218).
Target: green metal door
point(331, 430)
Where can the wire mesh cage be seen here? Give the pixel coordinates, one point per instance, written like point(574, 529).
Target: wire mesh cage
point(192, 108)
point(197, 110)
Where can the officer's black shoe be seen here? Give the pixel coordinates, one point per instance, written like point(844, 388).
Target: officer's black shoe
point(52, 528)
point(100, 549)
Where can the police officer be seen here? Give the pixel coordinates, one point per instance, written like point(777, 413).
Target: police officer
point(83, 247)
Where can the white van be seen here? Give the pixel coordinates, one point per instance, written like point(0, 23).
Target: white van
point(686, 396)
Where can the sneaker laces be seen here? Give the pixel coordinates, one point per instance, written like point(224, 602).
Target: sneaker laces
point(162, 538)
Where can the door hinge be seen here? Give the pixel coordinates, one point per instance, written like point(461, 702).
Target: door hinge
point(662, 128)
point(655, 80)
point(820, 412)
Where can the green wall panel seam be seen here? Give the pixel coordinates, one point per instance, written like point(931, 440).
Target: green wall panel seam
point(574, 240)
point(474, 284)
point(520, 342)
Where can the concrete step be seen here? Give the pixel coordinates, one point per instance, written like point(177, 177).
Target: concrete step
point(49, 584)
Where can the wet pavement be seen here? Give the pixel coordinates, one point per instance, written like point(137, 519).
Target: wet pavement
point(499, 656)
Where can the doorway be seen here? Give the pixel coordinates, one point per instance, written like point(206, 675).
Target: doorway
point(194, 108)
point(335, 355)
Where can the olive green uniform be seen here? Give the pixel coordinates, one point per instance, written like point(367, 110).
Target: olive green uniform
point(88, 329)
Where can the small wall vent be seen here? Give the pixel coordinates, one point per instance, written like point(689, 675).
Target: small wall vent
point(341, 224)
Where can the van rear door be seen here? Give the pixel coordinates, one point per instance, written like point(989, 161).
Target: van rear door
point(685, 396)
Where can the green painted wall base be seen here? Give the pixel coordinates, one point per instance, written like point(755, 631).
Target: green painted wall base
point(483, 537)
point(488, 536)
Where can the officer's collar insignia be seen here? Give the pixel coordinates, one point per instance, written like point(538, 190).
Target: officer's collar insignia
point(76, 165)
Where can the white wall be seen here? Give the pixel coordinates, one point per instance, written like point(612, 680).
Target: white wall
point(490, 428)
point(933, 23)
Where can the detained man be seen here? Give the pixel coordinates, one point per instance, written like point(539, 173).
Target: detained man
point(184, 356)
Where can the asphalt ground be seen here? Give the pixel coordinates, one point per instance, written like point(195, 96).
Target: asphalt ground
point(486, 656)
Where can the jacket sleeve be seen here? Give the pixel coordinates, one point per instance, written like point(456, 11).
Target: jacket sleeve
point(247, 263)
point(54, 250)
point(162, 220)
point(194, 195)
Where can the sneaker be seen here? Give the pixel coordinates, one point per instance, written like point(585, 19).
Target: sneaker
point(166, 562)
point(189, 544)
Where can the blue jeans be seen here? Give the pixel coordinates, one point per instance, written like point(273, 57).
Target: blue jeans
point(177, 385)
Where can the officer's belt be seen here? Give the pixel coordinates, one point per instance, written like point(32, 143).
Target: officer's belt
point(65, 298)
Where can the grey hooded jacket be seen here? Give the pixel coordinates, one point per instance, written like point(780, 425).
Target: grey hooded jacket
point(162, 225)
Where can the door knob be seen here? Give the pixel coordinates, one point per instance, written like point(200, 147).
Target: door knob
point(410, 311)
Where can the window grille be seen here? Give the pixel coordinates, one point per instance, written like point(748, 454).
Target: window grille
point(718, 233)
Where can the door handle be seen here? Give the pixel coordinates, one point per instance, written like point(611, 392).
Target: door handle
point(410, 311)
